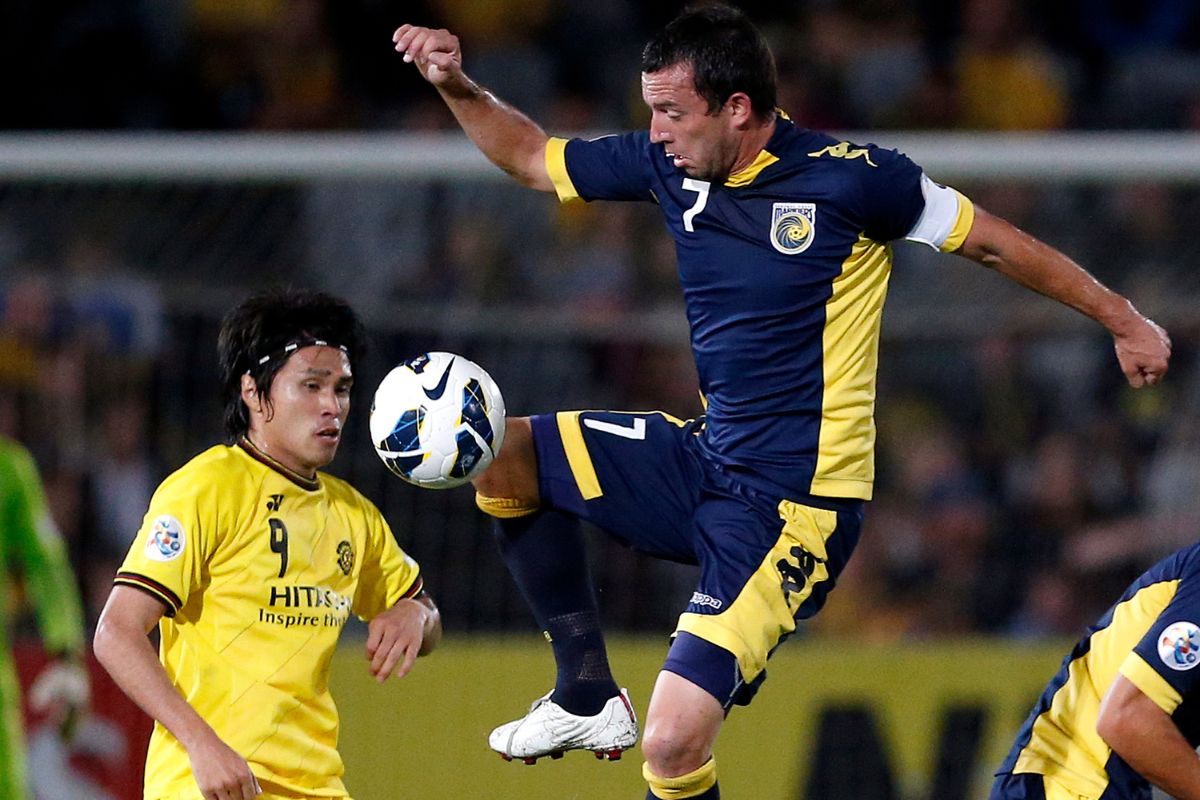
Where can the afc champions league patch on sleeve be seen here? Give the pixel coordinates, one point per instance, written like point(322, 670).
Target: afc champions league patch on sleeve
point(166, 539)
point(792, 226)
point(1179, 645)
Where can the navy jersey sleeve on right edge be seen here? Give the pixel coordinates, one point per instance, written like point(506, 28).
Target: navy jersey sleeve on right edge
point(1171, 646)
point(608, 168)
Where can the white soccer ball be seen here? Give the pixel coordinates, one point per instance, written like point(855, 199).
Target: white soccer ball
point(437, 420)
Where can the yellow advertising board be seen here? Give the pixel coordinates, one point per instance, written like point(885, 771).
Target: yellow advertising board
point(833, 721)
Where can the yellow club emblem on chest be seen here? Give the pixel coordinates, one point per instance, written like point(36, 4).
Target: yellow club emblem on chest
point(345, 557)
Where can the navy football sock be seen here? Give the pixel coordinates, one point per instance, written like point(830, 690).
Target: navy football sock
point(546, 555)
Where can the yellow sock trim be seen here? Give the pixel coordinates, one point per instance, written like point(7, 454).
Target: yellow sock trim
point(503, 507)
point(695, 783)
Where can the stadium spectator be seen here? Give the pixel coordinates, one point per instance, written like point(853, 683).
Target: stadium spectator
point(1006, 79)
point(108, 308)
point(120, 480)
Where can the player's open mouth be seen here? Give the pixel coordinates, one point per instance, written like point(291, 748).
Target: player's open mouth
point(329, 433)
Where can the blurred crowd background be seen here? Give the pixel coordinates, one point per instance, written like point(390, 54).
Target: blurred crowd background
point(305, 64)
point(1021, 484)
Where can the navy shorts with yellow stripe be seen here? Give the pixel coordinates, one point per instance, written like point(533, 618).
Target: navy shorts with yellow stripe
point(1035, 786)
point(765, 561)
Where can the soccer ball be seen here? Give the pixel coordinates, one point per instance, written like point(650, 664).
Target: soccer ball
point(437, 420)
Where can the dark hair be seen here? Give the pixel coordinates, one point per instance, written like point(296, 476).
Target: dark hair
point(254, 340)
point(726, 52)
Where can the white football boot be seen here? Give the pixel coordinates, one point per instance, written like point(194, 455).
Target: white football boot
point(548, 730)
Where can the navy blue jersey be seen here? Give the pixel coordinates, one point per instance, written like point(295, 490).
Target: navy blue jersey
point(784, 269)
point(1152, 637)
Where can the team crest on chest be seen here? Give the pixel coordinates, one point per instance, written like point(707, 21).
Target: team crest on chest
point(793, 226)
point(345, 557)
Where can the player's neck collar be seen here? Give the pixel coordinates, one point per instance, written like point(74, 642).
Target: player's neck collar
point(763, 159)
point(308, 484)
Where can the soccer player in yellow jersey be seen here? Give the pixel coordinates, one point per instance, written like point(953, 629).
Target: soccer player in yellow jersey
point(250, 561)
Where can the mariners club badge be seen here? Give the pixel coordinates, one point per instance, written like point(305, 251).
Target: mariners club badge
point(792, 226)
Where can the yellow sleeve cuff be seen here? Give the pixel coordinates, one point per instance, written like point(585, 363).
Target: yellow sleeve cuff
point(556, 168)
point(962, 225)
point(1150, 683)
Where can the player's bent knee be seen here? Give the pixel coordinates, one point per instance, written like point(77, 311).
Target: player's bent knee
point(697, 784)
point(673, 754)
point(682, 724)
point(514, 472)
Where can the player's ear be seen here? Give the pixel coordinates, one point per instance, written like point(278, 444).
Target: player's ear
point(250, 394)
point(741, 110)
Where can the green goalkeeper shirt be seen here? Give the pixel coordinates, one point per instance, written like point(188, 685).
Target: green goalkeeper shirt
point(31, 547)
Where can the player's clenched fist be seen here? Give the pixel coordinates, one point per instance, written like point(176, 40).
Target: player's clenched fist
point(435, 52)
point(1143, 351)
point(222, 774)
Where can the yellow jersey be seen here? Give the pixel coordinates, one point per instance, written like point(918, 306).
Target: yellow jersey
point(258, 569)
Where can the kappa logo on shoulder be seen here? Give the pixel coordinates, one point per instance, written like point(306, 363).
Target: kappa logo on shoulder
point(844, 150)
point(793, 226)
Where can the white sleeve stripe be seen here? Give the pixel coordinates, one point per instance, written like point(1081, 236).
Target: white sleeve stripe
point(936, 222)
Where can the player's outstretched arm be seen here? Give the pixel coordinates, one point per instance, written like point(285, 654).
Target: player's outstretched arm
point(1149, 741)
point(411, 628)
point(1143, 348)
point(120, 644)
point(507, 137)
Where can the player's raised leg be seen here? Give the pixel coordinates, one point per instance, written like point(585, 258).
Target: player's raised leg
point(545, 552)
point(681, 726)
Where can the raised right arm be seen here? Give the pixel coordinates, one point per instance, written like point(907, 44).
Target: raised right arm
point(122, 646)
point(507, 137)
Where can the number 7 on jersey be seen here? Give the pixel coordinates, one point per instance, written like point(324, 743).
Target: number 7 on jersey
point(701, 188)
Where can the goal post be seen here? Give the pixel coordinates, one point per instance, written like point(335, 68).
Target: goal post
point(1038, 158)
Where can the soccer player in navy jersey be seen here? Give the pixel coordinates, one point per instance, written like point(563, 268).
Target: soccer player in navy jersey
point(1121, 713)
point(782, 239)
